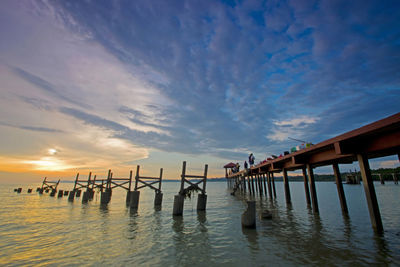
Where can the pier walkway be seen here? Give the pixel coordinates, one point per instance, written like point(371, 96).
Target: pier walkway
point(378, 139)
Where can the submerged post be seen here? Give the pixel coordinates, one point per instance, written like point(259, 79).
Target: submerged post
point(339, 186)
point(158, 195)
point(269, 185)
point(249, 216)
point(369, 189)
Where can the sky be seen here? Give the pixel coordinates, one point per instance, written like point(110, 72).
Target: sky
point(97, 85)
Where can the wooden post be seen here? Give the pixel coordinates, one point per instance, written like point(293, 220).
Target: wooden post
point(137, 177)
point(264, 182)
point(269, 185)
point(183, 176)
point(252, 185)
point(273, 184)
point(248, 183)
point(306, 190)
point(244, 182)
point(159, 185)
point(339, 186)
point(256, 182)
point(314, 199)
point(205, 178)
point(369, 189)
point(286, 184)
point(260, 184)
point(381, 178)
point(395, 180)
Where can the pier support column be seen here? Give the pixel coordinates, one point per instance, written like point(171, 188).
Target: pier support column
point(265, 184)
point(314, 199)
point(339, 186)
point(128, 197)
point(381, 178)
point(244, 183)
point(60, 193)
point(256, 182)
point(249, 216)
point(105, 197)
point(53, 192)
point(273, 184)
point(286, 184)
point(71, 195)
point(134, 202)
point(248, 183)
point(369, 189)
point(395, 180)
point(85, 197)
point(201, 202)
point(252, 185)
point(178, 205)
point(158, 199)
point(78, 193)
point(269, 185)
point(306, 190)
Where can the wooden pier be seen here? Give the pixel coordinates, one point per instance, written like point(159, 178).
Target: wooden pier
point(378, 139)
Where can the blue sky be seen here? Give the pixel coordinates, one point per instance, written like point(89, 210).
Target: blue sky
point(92, 85)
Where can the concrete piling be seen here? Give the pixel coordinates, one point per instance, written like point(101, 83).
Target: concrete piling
point(53, 192)
point(249, 216)
point(178, 205)
point(158, 199)
point(201, 202)
point(134, 202)
point(71, 195)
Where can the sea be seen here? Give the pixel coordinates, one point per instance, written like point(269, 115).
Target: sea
point(39, 230)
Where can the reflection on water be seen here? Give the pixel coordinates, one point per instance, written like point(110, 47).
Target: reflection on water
point(40, 230)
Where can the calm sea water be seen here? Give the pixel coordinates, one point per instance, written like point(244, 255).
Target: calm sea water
point(41, 230)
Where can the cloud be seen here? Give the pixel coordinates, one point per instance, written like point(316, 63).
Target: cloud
point(203, 78)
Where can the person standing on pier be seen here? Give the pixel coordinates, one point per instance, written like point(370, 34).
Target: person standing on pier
point(245, 165)
point(251, 159)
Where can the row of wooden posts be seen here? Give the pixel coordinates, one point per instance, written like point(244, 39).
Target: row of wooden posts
point(105, 186)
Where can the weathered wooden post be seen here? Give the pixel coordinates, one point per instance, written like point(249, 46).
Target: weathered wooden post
point(314, 199)
point(369, 189)
point(158, 195)
point(381, 178)
point(286, 185)
point(66, 192)
point(249, 185)
point(252, 185)
point(273, 184)
point(179, 199)
point(269, 185)
point(105, 196)
point(128, 193)
point(306, 190)
point(53, 192)
point(202, 198)
point(29, 190)
point(395, 180)
point(265, 184)
point(339, 186)
point(60, 193)
point(86, 194)
point(249, 216)
point(73, 191)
